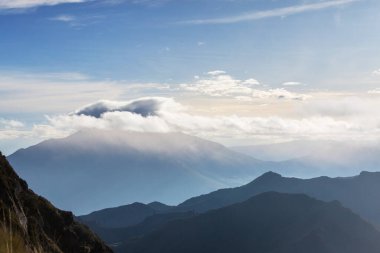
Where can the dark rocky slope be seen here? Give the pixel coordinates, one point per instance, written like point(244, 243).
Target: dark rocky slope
point(30, 223)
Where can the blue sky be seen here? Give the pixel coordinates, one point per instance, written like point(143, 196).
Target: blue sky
point(59, 55)
point(147, 42)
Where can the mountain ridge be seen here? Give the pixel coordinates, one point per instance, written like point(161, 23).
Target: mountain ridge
point(269, 222)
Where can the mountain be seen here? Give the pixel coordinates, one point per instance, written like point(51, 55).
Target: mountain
point(111, 168)
point(29, 223)
point(316, 158)
point(123, 216)
point(270, 222)
point(117, 237)
point(359, 193)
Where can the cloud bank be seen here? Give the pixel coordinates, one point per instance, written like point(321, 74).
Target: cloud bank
point(23, 4)
point(219, 84)
point(159, 114)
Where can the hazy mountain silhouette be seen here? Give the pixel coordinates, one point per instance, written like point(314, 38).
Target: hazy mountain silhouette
point(96, 169)
point(117, 237)
point(359, 193)
point(29, 223)
point(270, 222)
point(123, 216)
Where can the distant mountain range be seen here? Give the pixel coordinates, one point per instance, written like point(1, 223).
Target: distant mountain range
point(95, 169)
point(110, 168)
point(359, 193)
point(270, 222)
point(124, 216)
point(29, 223)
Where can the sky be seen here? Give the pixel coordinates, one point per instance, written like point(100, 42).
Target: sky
point(240, 72)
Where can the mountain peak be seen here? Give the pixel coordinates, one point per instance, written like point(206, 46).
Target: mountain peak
point(270, 175)
point(121, 167)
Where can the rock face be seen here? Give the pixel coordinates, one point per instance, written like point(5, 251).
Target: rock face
point(30, 223)
point(268, 223)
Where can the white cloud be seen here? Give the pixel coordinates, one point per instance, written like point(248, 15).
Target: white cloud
point(292, 84)
point(281, 12)
point(58, 92)
point(52, 92)
point(376, 72)
point(171, 116)
point(22, 4)
point(374, 91)
point(10, 124)
point(215, 106)
point(64, 18)
point(216, 72)
point(219, 84)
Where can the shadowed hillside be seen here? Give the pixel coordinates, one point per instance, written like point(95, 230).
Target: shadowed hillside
point(267, 223)
point(29, 223)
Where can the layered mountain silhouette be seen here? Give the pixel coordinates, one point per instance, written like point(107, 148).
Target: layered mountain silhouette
point(117, 237)
point(267, 223)
point(96, 169)
point(29, 223)
point(359, 193)
point(124, 216)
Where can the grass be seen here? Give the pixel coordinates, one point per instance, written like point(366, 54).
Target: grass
point(10, 241)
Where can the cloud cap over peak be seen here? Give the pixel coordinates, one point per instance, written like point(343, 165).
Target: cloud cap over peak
point(144, 107)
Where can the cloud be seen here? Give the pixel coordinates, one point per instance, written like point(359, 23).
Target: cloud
point(52, 92)
point(351, 119)
point(292, 84)
point(144, 107)
point(10, 124)
point(376, 72)
point(219, 84)
point(78, 21)
point(170, 116)
point(374, 91)
point(23, 4)
point(58, 92)
point(64, 18)
point(280, 12)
